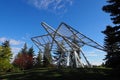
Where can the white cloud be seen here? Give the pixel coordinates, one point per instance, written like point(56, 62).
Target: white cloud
point(96, 62)
point(51, 5)
point(15, 50)
point(12, 41)
point(2, 39)
point(15, 42)
point(41, 4)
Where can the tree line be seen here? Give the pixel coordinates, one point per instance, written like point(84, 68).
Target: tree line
point(25, 59)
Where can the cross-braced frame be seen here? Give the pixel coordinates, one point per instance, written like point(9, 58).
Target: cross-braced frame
point(66, 43)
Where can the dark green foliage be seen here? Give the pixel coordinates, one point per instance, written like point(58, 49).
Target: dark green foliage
point(112, 38)
point(112, 46)
point(47, 59)
point(112, 34)
point(39, 62)
point(24, 49)
point(46, 62)
point(31, 51)
point(113, 8)
point(6, 44)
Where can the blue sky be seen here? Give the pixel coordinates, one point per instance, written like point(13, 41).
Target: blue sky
point(20, 20)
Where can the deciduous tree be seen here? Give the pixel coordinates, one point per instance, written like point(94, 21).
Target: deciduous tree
point(25, 58)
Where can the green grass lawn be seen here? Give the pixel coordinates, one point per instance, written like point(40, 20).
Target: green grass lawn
point(59, 74)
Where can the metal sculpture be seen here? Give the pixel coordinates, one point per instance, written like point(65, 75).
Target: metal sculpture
point(66, 42)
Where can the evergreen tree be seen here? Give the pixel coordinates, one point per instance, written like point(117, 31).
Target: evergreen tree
point(5, 56)
point(6, 44)
point(47, 55)
point(39, 60)
point(112, 34)
point(31, 51)
point(30, 62)
point(24, 49)
point(112, 46)
point(113, 8)
point(59, 56)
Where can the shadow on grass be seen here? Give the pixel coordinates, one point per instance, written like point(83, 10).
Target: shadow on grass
point(35, 74)
point(59, 74)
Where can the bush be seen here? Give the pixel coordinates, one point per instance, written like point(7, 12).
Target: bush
point(14, 69)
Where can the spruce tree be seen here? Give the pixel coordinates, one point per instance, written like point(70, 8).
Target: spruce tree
point(47, 59)
point(59, 55)
point(113, 7)
point(112, 46)
point(112, 34)
point(39, 60)
point(30, 53)
point(24, 49)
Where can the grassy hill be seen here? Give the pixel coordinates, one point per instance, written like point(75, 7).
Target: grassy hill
point(59, 74)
